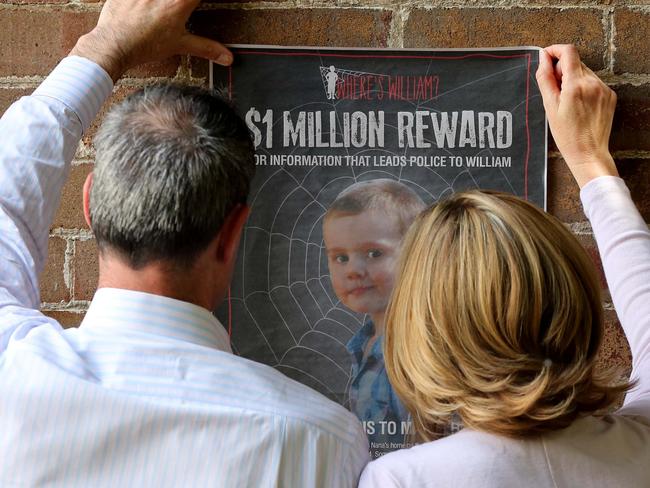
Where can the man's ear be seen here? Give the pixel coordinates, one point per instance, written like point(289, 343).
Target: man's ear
point(230, 233)
point(86, 197)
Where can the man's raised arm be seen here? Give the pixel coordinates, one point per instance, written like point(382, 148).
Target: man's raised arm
point(40, 133)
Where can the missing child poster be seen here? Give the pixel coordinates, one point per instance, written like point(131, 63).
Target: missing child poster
point(350, 145)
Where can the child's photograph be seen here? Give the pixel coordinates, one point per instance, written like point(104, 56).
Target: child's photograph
point(362, 231)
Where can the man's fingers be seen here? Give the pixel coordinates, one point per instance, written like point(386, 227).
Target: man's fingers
point(548, 84)
point(205, 48)
point(568, 59)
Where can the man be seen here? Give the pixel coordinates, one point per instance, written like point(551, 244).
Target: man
point(146, 392)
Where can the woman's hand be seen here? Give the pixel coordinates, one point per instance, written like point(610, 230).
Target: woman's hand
point(580, 109)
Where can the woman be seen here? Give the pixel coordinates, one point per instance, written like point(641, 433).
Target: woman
point(497, 316)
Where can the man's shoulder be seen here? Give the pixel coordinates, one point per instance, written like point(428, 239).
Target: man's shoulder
point(279, 395)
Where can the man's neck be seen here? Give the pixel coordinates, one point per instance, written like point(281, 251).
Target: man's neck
point(159, 278)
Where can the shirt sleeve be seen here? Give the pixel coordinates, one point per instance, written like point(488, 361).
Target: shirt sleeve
point(40, 134)
point(623, 241)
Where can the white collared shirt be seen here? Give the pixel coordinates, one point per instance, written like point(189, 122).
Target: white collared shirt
point(146, 392)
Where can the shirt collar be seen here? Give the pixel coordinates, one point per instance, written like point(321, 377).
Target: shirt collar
point(357, 344)
point(164, 317)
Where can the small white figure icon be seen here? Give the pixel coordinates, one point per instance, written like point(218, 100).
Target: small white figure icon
point(331, 78)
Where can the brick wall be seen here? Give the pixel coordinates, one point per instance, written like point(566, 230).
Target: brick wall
point(612, 36)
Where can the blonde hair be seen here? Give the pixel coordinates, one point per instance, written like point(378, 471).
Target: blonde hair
point(390, 196)
point(495, 315)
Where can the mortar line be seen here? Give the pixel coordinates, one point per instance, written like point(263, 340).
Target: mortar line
point(637, 8)
point(580, 228)
point(420, 4)
point(608, 306)
point(29, 82)
point(75, 306)
point(13, 82)
point(72, 234)
point(288, 6)
point(78, 6)
point(631, 154)
point(48, 7)
point(610, 47)
point(488, 6)
point(622, 154)
point(82, 161)
point(397, 27)
point(73, 278)
point(67, 265)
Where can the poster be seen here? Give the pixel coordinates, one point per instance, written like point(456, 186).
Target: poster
point(350, 145)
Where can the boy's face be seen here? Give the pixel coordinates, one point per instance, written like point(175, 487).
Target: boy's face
point(362, 252)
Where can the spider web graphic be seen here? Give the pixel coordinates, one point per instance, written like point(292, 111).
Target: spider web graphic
point(292, 290)
point(285, 312)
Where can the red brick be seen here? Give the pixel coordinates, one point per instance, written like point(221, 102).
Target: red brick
point(632, 53)
point(615, 350)
point(167, 68)
point(631, 129)
point(563, 193)
point(482, 27)
point(10, 95)
point(636, 173)
point(66, 318)
point(308, 27)
point(70, 214)
point(34, 40)
point(86, 269)
point(311, 27)
point(53, 288)
point(589, 243)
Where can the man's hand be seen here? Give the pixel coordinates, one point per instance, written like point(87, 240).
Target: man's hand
point(133, 32)
point(580, 109)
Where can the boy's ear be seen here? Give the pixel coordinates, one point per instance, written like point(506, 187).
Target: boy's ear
point(86, 197)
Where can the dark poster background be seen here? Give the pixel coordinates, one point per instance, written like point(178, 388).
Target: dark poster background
point(282, 310)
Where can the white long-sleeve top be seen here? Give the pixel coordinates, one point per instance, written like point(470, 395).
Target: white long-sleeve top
point(613, 451)
point(146, 392)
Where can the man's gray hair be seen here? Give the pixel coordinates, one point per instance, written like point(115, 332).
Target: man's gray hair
point(172, 162)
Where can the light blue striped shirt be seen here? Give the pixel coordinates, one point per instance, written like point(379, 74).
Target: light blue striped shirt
point(146, 392)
